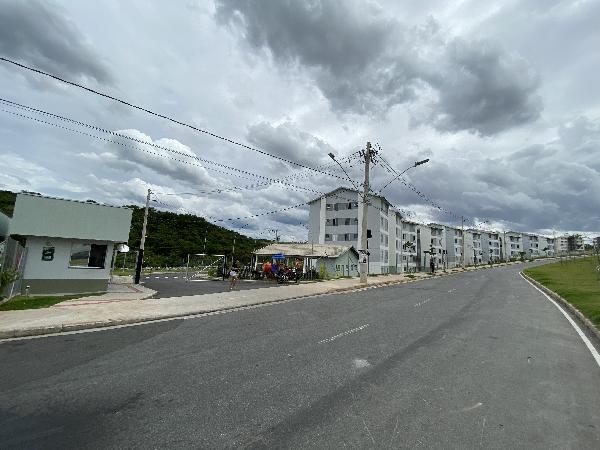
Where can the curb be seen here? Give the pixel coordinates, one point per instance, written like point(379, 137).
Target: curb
point(574, 311)
point(55, 329)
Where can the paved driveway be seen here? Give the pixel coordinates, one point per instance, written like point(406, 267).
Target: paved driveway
point(175, 285)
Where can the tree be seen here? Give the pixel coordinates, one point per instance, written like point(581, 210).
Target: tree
point(7, 277)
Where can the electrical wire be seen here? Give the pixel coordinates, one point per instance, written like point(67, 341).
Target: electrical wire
point(162, 116)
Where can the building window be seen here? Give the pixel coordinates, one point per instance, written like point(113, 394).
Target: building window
point(327, 237)
point(328, 207)
point(88, 255)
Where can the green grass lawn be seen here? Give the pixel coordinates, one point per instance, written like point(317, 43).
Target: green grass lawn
point(22, 302)
point(576, 281)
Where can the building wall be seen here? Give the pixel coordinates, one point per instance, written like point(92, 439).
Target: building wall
point(346, 265)
point(408, 257)
point(315, 227)
point(323, 212)
point(452, 256)
point(469, 255)
point(514, 244)
point(56, 276)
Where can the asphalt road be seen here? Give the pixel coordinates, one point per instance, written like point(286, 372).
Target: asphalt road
point(477, 360)
point(174, 285)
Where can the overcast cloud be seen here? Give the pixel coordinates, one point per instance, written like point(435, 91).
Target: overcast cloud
point(503, 100)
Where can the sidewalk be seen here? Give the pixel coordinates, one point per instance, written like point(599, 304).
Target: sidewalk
point(121, 307)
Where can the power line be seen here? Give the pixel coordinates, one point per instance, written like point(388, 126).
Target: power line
point(167, 149)
point(152, 144)
point(139, 141)
point(162, 116)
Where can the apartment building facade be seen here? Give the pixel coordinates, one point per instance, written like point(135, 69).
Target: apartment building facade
point(396, 244)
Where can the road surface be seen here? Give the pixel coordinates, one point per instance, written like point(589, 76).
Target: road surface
point(174, 285)
point(477, 360)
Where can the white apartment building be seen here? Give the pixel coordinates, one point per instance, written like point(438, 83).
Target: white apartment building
point(561, 245)
point(550, 246)
point(336, 218)
point(406, 246)
point(531, 245)
point(513, 244)
point(477, 246)
point(396, 245)
point(437, 244)
point(491, 246)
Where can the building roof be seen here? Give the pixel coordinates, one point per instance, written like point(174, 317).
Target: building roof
point(36, 215)
point(302, 249)
point(354, 191)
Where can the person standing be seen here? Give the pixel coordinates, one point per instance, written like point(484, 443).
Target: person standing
point(298, 268)
point(432, 264)
point(233, 275)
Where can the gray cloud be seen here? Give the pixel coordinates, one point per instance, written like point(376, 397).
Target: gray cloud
point(40, 34)
point(544, 186)
point(289, 142)
point(366, 63)
point(134, 157)
point(484, 89)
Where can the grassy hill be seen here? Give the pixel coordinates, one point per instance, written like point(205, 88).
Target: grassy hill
point(171, 236)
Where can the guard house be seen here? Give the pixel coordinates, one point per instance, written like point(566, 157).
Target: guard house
point(63, 246)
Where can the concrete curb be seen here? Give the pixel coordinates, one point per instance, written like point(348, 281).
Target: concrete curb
point(54, 329)
point(574, 311)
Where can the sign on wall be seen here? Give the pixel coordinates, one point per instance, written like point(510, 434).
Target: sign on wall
point(47, 253)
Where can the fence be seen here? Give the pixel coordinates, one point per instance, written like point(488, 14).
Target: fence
point(13, 259)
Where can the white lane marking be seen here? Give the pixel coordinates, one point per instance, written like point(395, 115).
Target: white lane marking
point(422, 303)
point(361, 363)
point(156, 278)
point(471, 408)
point(451, 290)
point(175, 278)
point(166, 278)
point(345, 333)
point(581, 334)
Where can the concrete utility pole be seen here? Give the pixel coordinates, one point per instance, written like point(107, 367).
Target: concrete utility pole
point(233, 252)
point(140, 257)
point(462, 230)
point(368, 154)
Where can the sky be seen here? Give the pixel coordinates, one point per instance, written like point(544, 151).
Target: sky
point(502, 97)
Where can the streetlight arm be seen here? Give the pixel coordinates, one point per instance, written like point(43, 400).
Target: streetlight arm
point(332, 156)
point(398, 175)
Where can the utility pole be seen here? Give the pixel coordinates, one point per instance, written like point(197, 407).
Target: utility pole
point(233, 252)
point(368, 155)
point(462, 230)
point(140, 257)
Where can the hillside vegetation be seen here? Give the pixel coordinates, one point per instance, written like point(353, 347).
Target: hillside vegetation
point(171, 236)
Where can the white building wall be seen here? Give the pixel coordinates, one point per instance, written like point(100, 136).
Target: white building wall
point(58, 268)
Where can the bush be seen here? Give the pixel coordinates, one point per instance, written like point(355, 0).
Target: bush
point(212, 272)
point(323, 274)
point(7, 277)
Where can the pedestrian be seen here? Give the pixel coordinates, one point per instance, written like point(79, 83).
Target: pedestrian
point(233, 275)
point(298, 268)
point(267, 269)
point(432, 265)
point(275, 269)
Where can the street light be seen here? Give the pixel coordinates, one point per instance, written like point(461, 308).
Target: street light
point(398, 175)
point(332, 156)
